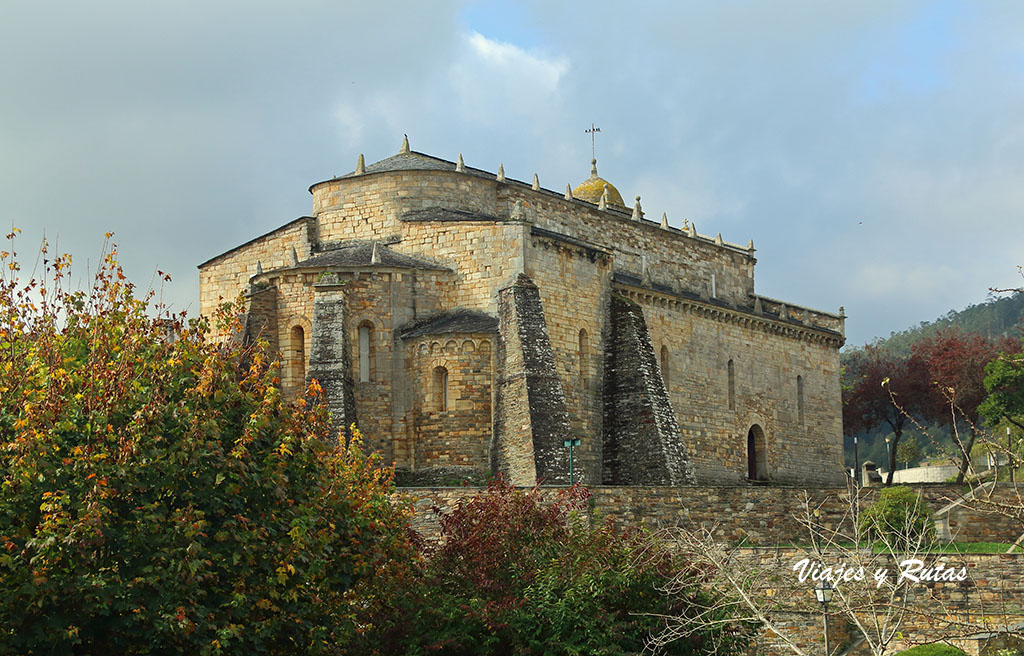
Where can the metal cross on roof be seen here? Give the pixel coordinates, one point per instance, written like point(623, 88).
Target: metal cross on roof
point(592, 132)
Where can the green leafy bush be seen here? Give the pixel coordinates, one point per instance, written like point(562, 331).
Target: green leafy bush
point(514, 574)
point(900, 518)
point(158, 495)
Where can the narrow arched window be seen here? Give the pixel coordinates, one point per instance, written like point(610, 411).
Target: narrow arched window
point(584, 358)
point(441, 389)
point(664, 365)
point(800, 397)
point(365, 351)
point(297, 357)
point(732, 386)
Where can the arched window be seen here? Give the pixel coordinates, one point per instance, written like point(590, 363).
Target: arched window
point(757, 454)
point(297, 357)
point(800, 397)
point(365, 351)
point(732, 386)
point(664, 364)
point(584, 358)
point(441, 389)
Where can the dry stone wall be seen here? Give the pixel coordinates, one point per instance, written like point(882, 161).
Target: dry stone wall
point(762, 516)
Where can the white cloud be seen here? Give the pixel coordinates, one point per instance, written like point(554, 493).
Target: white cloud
point(493, 80)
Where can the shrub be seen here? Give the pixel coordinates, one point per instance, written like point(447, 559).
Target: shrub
point(514, 574)
point(899, 518)
point(158, 495)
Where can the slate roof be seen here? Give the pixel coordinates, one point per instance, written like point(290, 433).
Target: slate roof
point(445, 214)
point(457, 321)
point(360, 254)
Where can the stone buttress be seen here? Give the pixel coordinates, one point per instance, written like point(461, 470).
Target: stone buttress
point(329, 359)
point(642, 441)
point(530, 419)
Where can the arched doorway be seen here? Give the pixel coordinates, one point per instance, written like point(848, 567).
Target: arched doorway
point(757, 454)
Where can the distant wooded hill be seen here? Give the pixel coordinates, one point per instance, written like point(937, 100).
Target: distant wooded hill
point(995, 317)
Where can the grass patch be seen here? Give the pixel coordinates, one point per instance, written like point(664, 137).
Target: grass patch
point(936, 649)
point(940, 548)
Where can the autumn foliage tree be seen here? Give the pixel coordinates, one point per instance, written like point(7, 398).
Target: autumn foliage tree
point(158, 495)
point(956, 363)
point(874, 379)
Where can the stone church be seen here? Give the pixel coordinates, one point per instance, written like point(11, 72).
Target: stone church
point(468, 321)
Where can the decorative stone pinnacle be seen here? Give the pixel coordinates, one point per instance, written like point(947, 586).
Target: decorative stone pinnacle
point(603, 204)
point(783, 313)
point(501, 173)
point(536, 183)
point(375, 256)
point(593, 168)
point(295, 257)
point(259, 268)
point(638, 213)
point(664, 220)
point(757, 305)
point(693, 229)
point(750, 245)
point(460, 166)
point(718, 239)
point(842, 311)
point(405, 145)
point(568, 192)
point(360, 165)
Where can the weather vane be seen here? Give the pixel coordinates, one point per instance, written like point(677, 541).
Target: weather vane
point(593, 132)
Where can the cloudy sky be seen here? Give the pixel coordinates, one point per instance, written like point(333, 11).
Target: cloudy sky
point(874, 151)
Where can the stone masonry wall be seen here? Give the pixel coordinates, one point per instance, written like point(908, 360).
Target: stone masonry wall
point(641, 437)
point(803, 437)
point(762, 516)
point(458, 436)
point(574, 283)
point(225, 276)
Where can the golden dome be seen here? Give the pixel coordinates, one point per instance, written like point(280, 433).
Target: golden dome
point(591, 189)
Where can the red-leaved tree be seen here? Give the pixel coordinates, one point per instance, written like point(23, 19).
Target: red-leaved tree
point(875, 379)
point(955, 363)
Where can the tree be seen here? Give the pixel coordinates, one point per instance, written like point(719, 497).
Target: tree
point(956, 370)
point(909, 450)
point(1004, 383)
point(875, 379)
point(515, 574)
point(158, 495)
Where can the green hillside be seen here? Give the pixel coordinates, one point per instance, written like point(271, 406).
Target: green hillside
point(993, 318)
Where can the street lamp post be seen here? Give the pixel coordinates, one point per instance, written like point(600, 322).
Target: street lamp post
point(890, 464)
point(823, 591)
point(856, 462)
point(571, 443)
